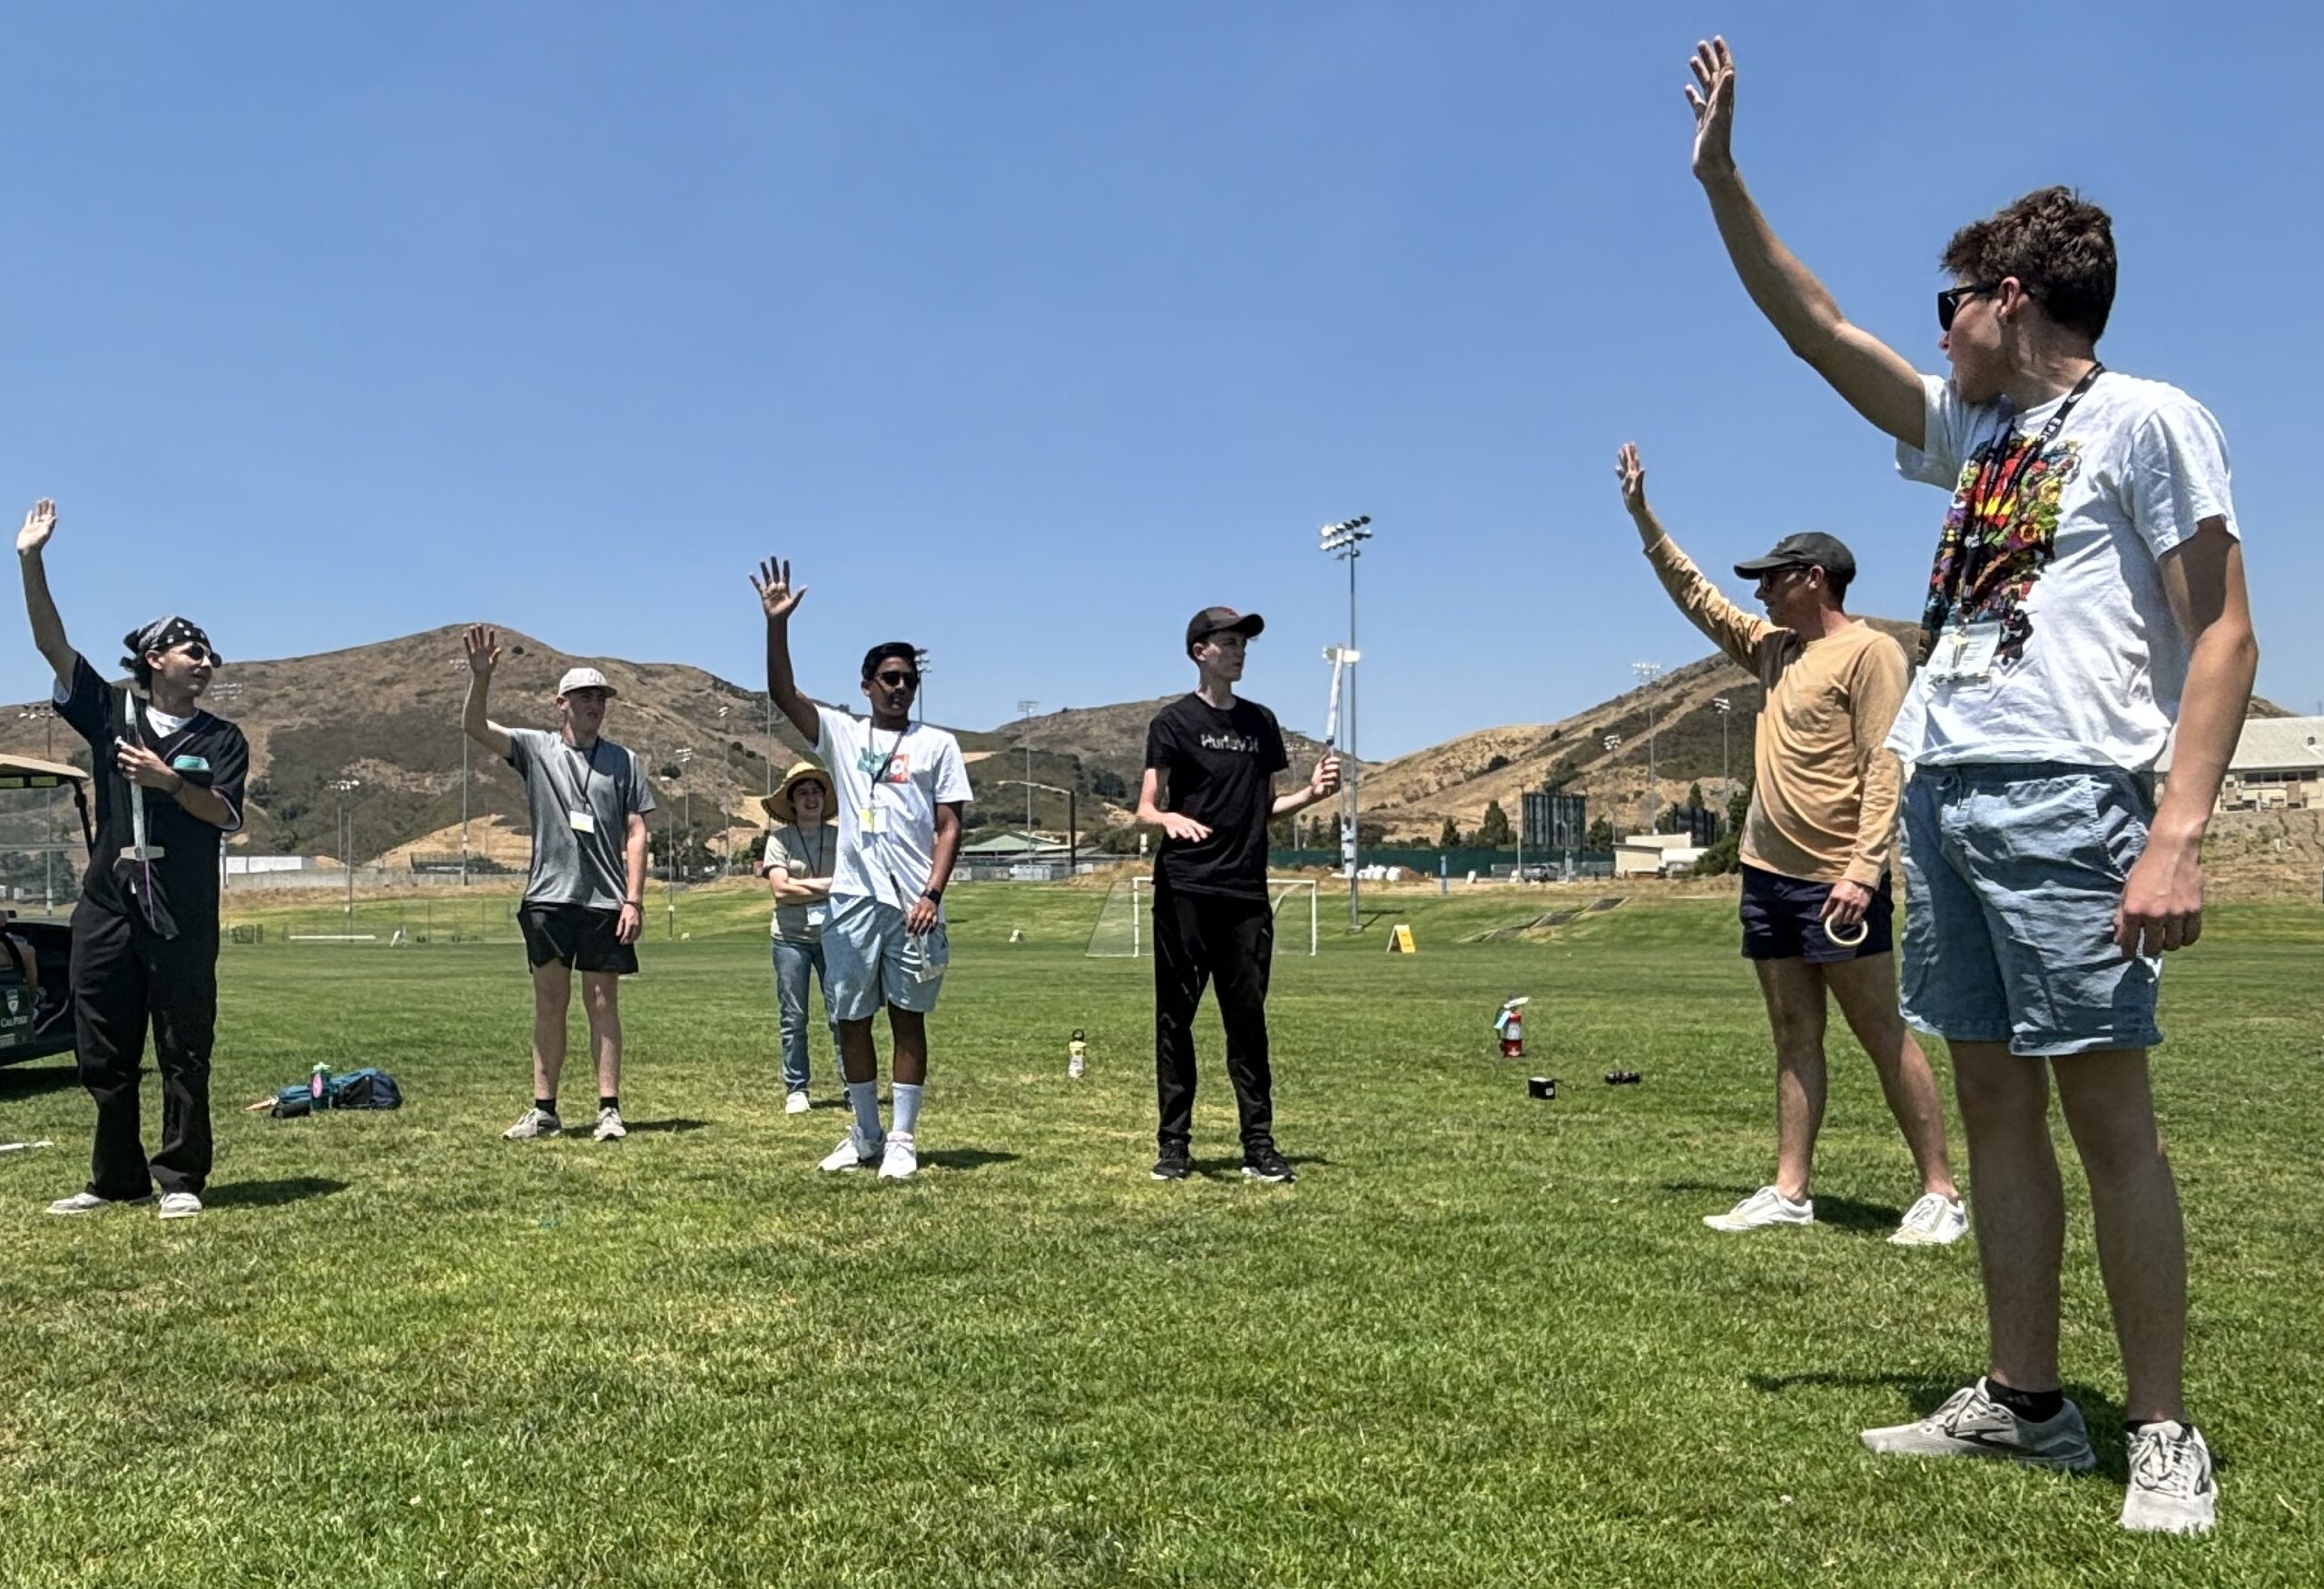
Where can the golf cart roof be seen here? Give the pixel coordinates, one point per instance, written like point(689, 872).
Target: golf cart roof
point(25, 772)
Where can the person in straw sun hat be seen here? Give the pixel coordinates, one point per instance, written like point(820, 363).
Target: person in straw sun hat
point(797, 863)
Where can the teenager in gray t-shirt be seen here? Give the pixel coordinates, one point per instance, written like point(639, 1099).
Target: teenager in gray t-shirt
point(584, 902)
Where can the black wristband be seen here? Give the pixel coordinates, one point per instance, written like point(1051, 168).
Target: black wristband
point(935, 894)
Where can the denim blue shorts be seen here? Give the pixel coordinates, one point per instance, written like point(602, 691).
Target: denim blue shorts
point(868, 960)
point(2011, 875)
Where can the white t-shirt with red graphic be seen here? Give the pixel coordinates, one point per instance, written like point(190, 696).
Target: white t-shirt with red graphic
point(889, 783)
point(2091, 660)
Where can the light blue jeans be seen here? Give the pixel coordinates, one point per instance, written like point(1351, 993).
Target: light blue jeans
point(792, 962)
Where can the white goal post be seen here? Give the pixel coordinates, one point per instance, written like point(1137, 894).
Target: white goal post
point(1140, 898)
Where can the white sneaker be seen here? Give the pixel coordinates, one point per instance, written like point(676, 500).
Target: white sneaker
point(1765, 1206)
point(1936, 1220)
point(609, 1127)
point(180, 1204)
point(534, 1122)
point(901, 1161)
point(797, 1103)
point(86, 1202)
point(853, 1153)
point(2172, 1490)
point(1971, 1422)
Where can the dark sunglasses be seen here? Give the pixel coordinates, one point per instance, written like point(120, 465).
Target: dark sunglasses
point(196, 651)
point(896, 681)
point(1949, 302)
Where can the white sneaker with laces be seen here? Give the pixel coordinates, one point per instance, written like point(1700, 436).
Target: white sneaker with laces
point(609, 1126)
point(180, 1204)
point(534, 1122)
point(853, 1153)
point(86, 1202)
point(797, 1103)
point(1971, 1422)
point(901, 1161)
point(1936, 1220)
point(2173, 1488)
point(1765, 1206)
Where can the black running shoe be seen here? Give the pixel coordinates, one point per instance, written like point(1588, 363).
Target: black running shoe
point(1266, 1164)
point(1172, 1165)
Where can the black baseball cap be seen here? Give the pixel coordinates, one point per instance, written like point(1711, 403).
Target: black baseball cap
point(1212, 619)
point(1806, 549)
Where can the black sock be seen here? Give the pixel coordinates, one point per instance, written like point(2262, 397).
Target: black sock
point(609, 1100)
point(2035, 1406)
point(546, 1105)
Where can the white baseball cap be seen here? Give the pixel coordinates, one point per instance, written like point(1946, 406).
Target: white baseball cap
point(584, 678)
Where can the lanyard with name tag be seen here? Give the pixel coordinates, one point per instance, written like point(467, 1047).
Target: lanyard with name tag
point(1965, 653)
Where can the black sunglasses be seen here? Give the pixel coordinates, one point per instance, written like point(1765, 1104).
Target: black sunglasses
point(896, 681)
point(1949, 302)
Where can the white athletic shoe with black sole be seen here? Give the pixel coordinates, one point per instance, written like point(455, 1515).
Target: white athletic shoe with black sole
point(853, 1153)
point(1763, 1207)
point(1971, 1422)
point(2172, 1488)
point(1936, 1220)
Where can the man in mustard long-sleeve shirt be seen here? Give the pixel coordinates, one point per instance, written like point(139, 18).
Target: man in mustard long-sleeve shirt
point(1816, 851)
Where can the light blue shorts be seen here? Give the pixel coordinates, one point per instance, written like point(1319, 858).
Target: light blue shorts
point(868, 960)
point(2012, 875)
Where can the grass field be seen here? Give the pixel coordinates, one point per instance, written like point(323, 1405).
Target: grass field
point(1483, 1341)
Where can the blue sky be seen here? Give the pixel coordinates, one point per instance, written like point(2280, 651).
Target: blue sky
point(1026, 330)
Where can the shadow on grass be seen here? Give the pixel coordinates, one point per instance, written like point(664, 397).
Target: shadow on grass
point(1232, 1169)
point(1923, 1396)
point(967, 1158)
point(31, 1081)
point(673, 1126)
point(1840, 1213)
point(269, 1194)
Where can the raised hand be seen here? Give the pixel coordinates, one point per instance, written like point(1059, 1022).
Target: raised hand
point(1712, 97)
point(1325, 778)
point(1632, 474)
point(484, 650)
point(777, 595)
point(39, 525)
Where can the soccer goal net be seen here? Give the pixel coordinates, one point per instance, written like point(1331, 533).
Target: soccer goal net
point(1125, 926)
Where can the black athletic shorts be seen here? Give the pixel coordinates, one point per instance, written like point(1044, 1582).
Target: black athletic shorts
point(576, 936)
point(1783, 919)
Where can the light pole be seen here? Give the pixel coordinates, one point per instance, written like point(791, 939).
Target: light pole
point(683, 755)
point(460, 665)
point(1345, 542)
point(346, 847)
point(1025, 710)
point(1072, 831)
point(1647, 672)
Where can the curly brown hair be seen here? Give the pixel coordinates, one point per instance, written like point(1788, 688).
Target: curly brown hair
point(2060, 248)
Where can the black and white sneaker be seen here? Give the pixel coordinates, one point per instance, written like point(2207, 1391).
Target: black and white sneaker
point(1266, 1164)
point(1172, 1165)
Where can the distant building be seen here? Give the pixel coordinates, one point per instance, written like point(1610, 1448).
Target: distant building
point(1656, 854)
point(2278, 765)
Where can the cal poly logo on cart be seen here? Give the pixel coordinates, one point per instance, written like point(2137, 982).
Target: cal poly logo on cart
point(12, 996)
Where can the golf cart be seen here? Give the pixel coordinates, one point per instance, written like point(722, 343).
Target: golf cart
point(36, 950)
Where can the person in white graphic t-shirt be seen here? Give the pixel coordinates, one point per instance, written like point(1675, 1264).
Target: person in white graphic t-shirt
point(901, 787)
point(2087, 595)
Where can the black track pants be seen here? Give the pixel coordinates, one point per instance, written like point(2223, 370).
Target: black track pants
point(1229, 943)
point(125, 976)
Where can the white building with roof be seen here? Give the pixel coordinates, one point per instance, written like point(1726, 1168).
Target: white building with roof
point(2278, 765)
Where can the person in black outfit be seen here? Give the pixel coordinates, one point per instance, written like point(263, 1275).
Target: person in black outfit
point(1212, 921)
point(168, 779)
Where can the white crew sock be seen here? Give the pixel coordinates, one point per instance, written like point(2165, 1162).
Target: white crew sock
point(907, 1107)
point(863, 1097)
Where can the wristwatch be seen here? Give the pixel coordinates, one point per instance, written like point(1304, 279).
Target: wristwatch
point(935, 895)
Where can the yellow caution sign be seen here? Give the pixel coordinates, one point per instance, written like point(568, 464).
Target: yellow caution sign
point(1400, 939)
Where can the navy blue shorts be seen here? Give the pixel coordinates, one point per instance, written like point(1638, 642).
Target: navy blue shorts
point(1783, 919)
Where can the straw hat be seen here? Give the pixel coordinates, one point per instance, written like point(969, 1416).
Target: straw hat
point(778, 804)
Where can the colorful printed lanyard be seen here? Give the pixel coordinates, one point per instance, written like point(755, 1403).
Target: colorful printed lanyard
point(1992, 487)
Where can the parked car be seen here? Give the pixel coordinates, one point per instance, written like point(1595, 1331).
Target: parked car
point(36, 951)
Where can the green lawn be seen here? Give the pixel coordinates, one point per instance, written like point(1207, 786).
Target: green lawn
point(1483, 1341)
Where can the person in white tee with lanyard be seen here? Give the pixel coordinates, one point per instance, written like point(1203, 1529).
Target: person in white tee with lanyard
point(2087, 595)
point(901, 787)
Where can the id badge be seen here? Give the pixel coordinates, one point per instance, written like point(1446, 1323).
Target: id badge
point(872, 819)
point(583, 822)
point(815, 914)
point(1965, 653)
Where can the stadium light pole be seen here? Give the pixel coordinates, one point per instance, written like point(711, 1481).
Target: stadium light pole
point(1725, 773)
point(346, 847)
point(1072, 832)
point(1647, 672)
point(1025, 710)
point(1345, 542)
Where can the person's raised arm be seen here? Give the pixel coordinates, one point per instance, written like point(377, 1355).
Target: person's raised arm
point(1875, 378)
point(779, 598)
point(1321, 784)
point(48, 627)
point(1724, 625)
point(2163, 901)
point(484, 656)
